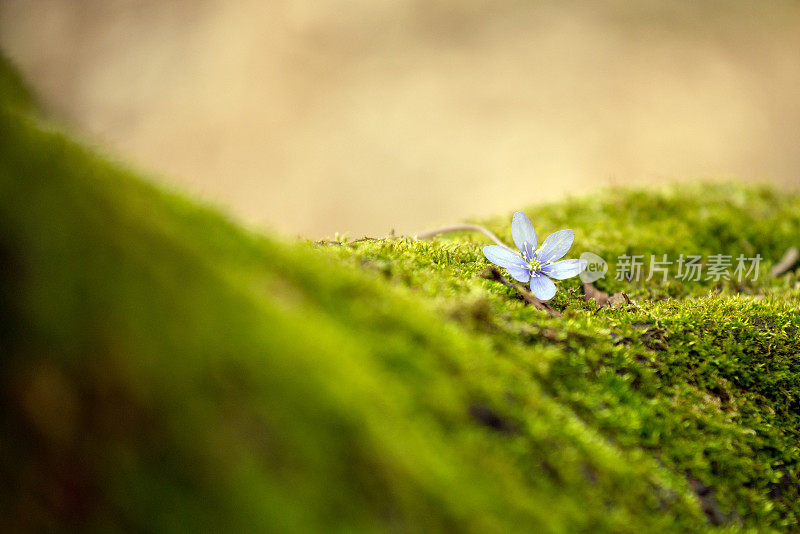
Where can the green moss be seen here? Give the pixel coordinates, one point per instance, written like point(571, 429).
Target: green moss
point(702, 376)
point(705, 381)
point(164, 370)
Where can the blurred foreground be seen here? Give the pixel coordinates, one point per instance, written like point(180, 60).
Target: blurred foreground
point(317, 117)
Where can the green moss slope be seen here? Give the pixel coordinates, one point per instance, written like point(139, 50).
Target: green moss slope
point(164, 370)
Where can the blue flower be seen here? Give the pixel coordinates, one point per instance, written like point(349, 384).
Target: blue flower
point(532, 265)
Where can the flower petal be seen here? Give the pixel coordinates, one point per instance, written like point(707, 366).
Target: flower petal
point(503, 257)
point(520, 274)
point(524, 235)
point(561, 270)
point(555, 246)
point(542, 287)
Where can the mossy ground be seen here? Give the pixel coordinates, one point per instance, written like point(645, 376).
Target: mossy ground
point(165, 370)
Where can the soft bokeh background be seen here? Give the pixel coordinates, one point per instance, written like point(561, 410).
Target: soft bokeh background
point(316, 116)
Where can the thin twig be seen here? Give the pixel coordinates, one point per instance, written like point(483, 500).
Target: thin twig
point(788, 261)
point(462, 228)
point(494, 274)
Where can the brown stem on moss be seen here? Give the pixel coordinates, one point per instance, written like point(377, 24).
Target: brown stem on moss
point(591, 292)
point(494, 274)
point(603, 300)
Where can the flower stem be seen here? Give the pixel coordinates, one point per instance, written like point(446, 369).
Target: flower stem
point(462, 228)
point(494, 274)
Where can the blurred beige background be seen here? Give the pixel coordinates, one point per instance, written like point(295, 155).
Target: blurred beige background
point(316, 116)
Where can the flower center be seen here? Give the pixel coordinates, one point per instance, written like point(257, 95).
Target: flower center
point(535, 265)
